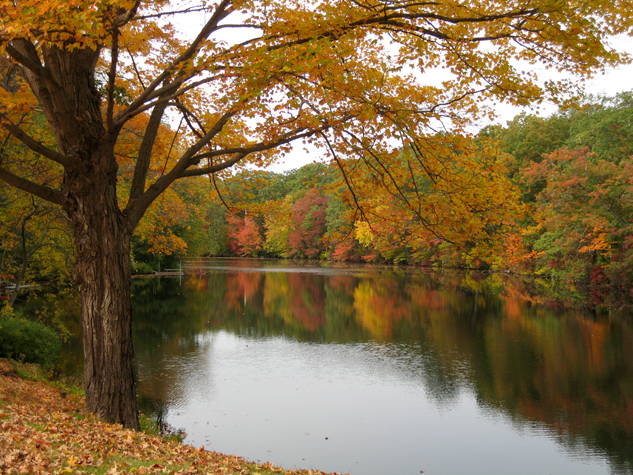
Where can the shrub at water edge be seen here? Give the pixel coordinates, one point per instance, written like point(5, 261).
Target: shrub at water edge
point(29, 341)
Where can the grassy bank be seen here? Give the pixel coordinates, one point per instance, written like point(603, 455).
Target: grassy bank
point(43, 430)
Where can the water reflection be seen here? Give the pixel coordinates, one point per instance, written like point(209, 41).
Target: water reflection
point(403, 371)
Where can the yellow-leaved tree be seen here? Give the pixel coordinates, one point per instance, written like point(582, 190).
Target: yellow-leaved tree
point(357, 77)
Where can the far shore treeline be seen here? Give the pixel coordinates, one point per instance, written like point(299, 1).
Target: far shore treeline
point(565, 181)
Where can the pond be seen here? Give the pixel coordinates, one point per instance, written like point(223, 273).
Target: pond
point(380, 371)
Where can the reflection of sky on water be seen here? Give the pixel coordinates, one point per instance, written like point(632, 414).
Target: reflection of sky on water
point(365, 408)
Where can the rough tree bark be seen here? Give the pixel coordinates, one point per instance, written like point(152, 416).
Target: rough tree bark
point(102, 274)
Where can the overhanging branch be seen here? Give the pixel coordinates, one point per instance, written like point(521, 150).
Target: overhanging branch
point(243, 152)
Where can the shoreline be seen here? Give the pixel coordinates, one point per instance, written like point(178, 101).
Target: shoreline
point(44, 430)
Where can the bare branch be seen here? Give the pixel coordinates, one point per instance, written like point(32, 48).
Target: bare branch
point(217, 190)
point(171, 147)
point(145, 152)
point(138, 74)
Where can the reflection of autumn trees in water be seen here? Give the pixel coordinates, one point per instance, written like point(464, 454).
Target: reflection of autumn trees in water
point(572, 373)
point(568, 371)
point(242, 287)
point(307, 300)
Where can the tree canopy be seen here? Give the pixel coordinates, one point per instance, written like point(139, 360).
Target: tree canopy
point(354, 73)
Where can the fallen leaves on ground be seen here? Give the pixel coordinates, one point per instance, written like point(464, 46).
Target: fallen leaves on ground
point(43, 430)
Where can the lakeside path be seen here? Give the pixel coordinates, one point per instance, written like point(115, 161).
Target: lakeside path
point(43, 430)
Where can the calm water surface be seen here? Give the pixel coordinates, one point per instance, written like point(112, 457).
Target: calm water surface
point(378, 372)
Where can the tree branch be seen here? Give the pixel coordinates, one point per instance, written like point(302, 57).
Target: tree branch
point(138, 74)
point(33, 144)
point(214, 168)
point(136, 207)
point(221, 12)
point(345, 177)
point(185, 115)
point(30, 63)
point(261, 147)
point(43, 192)
point(114, 57)
point(174, 12)
point(127, 17)
point(145, 152)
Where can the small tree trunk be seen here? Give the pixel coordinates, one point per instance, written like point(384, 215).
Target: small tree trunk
point(103, 276)
point(18, 284)
point(25, 259)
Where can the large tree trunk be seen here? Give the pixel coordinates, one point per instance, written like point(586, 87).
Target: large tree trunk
point(63, 82)
point(103, 276)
